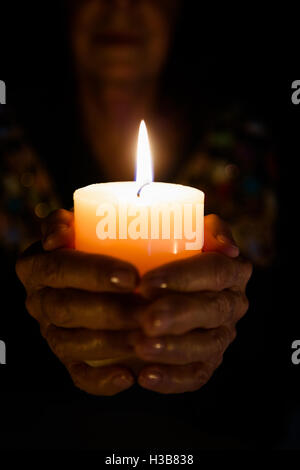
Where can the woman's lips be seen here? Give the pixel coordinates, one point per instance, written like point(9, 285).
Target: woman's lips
point(117, 39)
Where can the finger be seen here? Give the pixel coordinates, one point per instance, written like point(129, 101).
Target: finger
point(107, 381)
point(176, 379)
point(72, 308)
point(195, 346)
point(62, 236)
point(87, 345)
point(218, 236)
point(75, 269)
point(59, 216)
point(176, 314)
point(58, 230)
point(203, 272)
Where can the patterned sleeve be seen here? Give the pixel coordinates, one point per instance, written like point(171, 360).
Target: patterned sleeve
point(26, 191)
point(235, 165)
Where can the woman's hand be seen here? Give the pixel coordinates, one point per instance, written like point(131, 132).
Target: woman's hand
point(191, 320)
point(189, 317)
point(83, 303)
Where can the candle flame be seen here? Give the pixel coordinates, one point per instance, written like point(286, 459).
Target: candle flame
point(144, 171)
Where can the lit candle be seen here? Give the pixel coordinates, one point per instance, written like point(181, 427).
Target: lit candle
point(143, 222)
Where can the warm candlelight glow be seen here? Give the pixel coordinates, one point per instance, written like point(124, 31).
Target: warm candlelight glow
point(144, 170)
point(142, 222)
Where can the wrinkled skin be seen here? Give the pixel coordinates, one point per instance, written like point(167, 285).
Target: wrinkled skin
point(181, 323)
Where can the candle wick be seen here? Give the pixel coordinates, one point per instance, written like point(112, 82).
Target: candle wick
point(139, 191)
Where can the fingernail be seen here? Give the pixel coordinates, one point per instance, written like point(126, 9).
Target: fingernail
point(159, 321)
point(51, 237)
point(224, 239)
point(51, 241)
point(153, 377)
point(157, 281)
point(151, 347)
point(122, 380)
point(230, 247)
point(124, 278)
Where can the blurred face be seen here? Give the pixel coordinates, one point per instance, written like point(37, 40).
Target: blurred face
point(121, 39)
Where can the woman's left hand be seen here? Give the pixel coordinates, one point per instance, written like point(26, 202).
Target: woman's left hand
point(195, 304)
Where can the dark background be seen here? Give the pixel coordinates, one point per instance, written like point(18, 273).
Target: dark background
point(252, 404)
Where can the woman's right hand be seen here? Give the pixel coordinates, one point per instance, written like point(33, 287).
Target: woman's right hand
point(84, 304)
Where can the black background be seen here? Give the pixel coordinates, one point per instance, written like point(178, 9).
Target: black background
point(247, 55)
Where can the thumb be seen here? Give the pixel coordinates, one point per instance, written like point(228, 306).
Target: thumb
point(58, 230)
point(218, 237)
